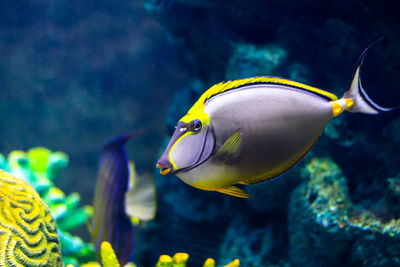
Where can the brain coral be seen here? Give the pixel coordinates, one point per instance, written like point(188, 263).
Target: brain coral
point(28, 233)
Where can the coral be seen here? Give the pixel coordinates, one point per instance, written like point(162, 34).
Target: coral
point(28, 233)
point(180, 260)
point(327, 228)
point(40, 167)
point(108, 258)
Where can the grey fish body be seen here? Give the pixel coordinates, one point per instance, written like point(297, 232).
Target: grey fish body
point(271, 142)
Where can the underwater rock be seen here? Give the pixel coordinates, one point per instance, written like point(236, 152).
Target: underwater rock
point(248, 60)
point(327, 229)
point(318, 211)
point(251, 246)
point(28, 233)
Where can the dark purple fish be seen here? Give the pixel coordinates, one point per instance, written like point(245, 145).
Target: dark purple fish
point(110, 222)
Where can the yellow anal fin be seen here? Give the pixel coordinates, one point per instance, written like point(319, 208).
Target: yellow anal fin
point(234, 191)
point(255, 180)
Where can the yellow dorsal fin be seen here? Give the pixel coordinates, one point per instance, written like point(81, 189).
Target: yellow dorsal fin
point(234, 191)
point(198, 107)
point(225, 86)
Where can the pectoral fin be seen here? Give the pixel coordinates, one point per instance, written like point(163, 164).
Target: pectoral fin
point(234, 191)
point(230, 151)
point(140, 200)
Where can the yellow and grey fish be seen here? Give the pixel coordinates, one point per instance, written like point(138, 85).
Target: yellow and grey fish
point(251, 130)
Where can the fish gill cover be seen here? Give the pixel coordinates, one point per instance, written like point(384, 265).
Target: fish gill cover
point(74, 74)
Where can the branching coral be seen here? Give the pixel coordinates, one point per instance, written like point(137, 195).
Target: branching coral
point(28, 233)
point(40, 167)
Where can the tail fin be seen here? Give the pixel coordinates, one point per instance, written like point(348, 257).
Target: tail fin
point(362, 102)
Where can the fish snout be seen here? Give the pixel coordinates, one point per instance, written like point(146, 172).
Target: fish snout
point(165, 166)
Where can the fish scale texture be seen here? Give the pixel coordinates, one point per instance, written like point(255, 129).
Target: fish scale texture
point(28, 233)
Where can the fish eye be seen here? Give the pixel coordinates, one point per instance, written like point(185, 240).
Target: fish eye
point(196, 126)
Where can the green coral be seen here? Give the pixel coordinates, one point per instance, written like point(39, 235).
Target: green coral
point(40, 167)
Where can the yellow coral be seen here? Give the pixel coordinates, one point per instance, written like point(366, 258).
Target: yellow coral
point(210, 262)
point(28, 233)
point(234, 263)
point(165, 261)
point(108, 257)
point(180, 259)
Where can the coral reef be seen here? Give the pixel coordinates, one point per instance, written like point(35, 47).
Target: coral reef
point(180, 260)
point(327, 228)
point(28, 233)
point(40, 167)
point(129, 79)
point(108, 258)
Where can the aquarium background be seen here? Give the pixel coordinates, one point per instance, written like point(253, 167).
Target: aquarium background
point(74, 74)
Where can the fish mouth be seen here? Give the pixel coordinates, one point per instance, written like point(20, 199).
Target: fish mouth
point(163, 170)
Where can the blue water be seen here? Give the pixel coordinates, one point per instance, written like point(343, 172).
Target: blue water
point(74, 74)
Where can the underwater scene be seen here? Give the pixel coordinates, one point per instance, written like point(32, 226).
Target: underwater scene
point(199, 133)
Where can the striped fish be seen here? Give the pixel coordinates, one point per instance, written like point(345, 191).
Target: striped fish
point(252, 130)
point(116, 201)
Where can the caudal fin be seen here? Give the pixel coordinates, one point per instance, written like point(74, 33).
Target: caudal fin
point(362, 102)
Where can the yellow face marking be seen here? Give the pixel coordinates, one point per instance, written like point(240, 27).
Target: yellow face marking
point(172, 148)
point(337, 109)
point(349, 103)
point(196, 113)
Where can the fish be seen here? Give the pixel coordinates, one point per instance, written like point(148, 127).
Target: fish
point(121, 198)
point(252, 130)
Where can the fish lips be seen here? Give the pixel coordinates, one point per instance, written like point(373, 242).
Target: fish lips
point(190, 152)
